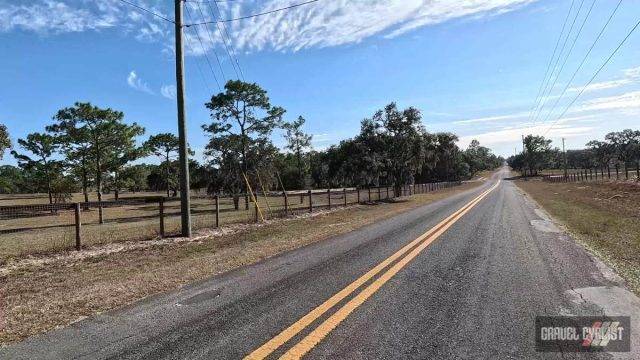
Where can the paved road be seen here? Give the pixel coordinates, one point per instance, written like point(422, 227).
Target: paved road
point(470, 289)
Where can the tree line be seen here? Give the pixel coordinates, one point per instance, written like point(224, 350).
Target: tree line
point(619, 149)
point(91, 149)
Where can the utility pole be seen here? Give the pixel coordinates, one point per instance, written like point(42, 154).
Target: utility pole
point(185, 201)
point(565, 158)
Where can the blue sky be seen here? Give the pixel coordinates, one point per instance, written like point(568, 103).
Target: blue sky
point(472, 67)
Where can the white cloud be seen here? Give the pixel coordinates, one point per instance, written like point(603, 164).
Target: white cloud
point(514, 135)
point(492, 118)
point(626, 101)
point(631, 76)
point(341, 22)
point(136, 83)
point(168, 91)
point(322, 24)
point(51, 17)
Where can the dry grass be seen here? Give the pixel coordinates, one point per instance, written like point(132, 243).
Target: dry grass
point(603, 216)
point(39, 298)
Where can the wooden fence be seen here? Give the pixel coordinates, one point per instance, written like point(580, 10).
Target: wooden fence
point(133, 218)
point(595, 174)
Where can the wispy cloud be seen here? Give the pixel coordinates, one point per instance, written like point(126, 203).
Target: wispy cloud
point(317, 25)
point(341, 22)
point(51, 17)
point(492, 118)
point(138, 84)
point(513, 135)
point(630, 76)
point(626, 101)
point(168, 91)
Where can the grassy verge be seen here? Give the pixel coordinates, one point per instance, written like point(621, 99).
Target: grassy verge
point(39, 298)
point(604, 217)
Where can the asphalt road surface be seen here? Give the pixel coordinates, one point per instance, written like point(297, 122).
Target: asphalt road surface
point(462, 278)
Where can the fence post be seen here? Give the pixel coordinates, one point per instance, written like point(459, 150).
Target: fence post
point(255, 208)
point(608, 171)
point(617, 175)
point(379, 193)
point(344, 192)
point(638, 170)
point(310, 202)
point(626, 171)
point(217, 199)
point(358, 194)
point(161, 211)
point(76, 208)
point(369, 196)
point(387, 188)
point(329, 197)
point(286, 203)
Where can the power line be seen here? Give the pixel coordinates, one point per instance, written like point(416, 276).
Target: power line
point(204, 51)
point(233, 58)
point(202, 77)
point(148, 11)
point(547, 92)
point(253, 15)
point(584, 59)
point(224, 27)
point(555, 49)
point(594, 76)
point(570, 51)
point(212, 44)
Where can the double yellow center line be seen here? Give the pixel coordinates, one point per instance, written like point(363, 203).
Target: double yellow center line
point(411, 250)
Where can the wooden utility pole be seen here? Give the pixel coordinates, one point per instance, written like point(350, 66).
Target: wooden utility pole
point(185, 206)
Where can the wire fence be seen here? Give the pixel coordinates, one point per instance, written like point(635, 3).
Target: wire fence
point(594, 174)
point(38, 228)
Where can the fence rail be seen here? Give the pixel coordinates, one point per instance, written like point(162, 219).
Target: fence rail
point(594, 174)
point(29, 228)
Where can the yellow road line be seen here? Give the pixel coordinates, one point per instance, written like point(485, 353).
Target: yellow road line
point(279, 340)
point(311, 340)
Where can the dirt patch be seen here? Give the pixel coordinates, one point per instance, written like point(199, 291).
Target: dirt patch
point(57, 291)
point(604, 217)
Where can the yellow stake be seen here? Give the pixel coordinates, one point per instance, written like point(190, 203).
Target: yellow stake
point(253, 196)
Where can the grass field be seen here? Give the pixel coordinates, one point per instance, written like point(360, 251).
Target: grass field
point(52, 232)
point(604, 216)
point(39, 297)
